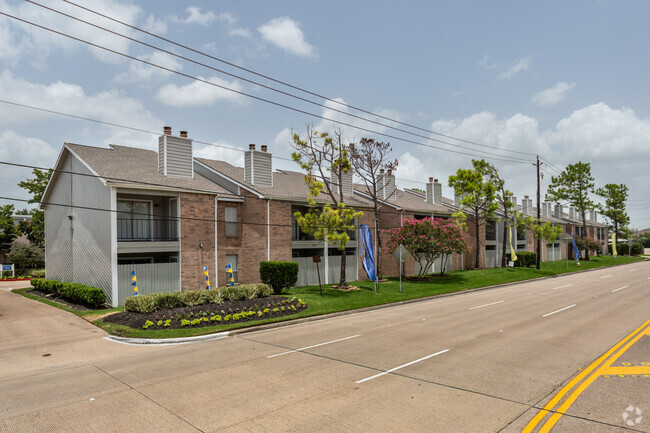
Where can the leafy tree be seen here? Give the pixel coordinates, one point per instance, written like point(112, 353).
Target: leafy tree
point(502, 197)
point(320, 154)
point(478, 196)
point(35, 230)
point(369, 158)
point(615, 196)
point(545, 230)
point(8, 231)
point(574, 185)
point(428, 239)
point(27, 256)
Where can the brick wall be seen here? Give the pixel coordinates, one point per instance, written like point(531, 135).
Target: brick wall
point(197, 227)
point(251, 244)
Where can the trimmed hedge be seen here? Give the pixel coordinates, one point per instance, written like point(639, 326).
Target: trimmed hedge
point(524, 259)
point(164, 301)
point(78, 293)
point(624, 249)
point(279, 275)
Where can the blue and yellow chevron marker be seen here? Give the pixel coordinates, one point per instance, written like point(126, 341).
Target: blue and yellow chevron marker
point(207, 278)
point(134, 283)
point(230, 278)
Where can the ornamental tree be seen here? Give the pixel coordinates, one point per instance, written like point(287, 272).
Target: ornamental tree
point(428, 239)
point(320, 154)
point(615, 196)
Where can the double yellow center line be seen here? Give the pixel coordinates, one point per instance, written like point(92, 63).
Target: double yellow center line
point(599, 367)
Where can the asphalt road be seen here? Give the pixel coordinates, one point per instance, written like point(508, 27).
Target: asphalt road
point(485, 361)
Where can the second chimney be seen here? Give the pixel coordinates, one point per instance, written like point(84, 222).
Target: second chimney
point(258, 166)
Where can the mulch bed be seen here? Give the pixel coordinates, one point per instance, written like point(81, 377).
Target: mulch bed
point(227, 308)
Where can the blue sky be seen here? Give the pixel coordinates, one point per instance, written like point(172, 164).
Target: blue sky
point(566, 80)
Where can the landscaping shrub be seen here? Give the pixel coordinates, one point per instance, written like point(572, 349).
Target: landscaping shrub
point(252, 291)
point(524, 259)
point(636, 249)
point(79, 293)
point(38, 273)
point(212, 297)
point(280, 275)
point(232, 293)
point(82, 294)
point(622, 249)
point(192, 297)
point(164, 301)
point(140, 304)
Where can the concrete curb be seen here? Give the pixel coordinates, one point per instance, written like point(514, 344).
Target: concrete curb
point(218, 336)
point(152, 341)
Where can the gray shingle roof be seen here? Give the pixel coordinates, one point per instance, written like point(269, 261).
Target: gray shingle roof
point(411, 201)
point(129, 165)
point(287, 185)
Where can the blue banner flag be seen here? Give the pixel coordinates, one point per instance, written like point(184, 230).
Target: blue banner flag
point(368, 256)
point(207, 278)
point(230, 278)
point(576, 252)
point(134, 283)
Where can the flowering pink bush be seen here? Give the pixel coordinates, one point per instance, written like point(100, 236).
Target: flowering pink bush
point(427, 239)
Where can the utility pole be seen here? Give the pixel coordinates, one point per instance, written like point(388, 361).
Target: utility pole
point(539, 240)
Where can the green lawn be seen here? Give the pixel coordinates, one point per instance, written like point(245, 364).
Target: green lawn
point(388, 292)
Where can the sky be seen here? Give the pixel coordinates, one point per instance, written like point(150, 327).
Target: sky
point(452, 81)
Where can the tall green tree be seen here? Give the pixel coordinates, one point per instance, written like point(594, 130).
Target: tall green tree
point(574, 185)
point(502, 197)
point(35, 229)
point(321, 155)
point(478, 200)
point(614, 209)
point(8, 231)
point(369, 158)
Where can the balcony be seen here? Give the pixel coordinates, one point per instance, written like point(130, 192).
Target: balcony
point(147, 230)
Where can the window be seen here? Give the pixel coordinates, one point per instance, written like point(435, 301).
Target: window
point(232, 261)
point(521, 234)
point(231, 222)
point(133, 220)
point(491, 231)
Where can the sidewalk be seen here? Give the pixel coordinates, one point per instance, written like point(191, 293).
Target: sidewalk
point(35, 336)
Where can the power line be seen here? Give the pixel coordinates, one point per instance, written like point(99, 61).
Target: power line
point(275, 80)
point(499, 157)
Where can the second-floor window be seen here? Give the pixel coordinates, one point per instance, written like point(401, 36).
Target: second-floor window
point(133, 219)
point(231, 222)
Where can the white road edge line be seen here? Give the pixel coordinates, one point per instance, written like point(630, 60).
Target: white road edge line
point(315, 345)
point(605, 276)
point(620, 288)
point(402, 366)
point(562, 309)
point(561, 287)
point(486, 305)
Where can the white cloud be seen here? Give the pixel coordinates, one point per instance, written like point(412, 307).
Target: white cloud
point(553, 95)
point(108, 106)
point(241, 32)
point(220, 151)
point(196, 16)
point(154, 25)
point(613, 140)
point(142, 72)
point(36, 44)
point(521, 65)
point(286, 34)
point(198, 93)
point(22, 150)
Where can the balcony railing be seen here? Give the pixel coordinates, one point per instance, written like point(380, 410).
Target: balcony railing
point(143, 230)
point(297, 234)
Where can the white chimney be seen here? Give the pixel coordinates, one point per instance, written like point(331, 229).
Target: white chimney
point(346, 180)
point(593, 216)
point(527, 206)
point(572, 213)
point(545, 209)
point(389, 190)
point(175, 154)
point(559, 211)
point(434, 191)
point(258, 166)
point(513, 200)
